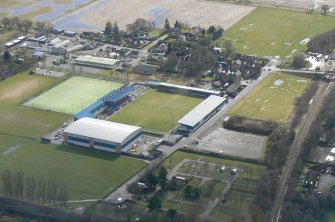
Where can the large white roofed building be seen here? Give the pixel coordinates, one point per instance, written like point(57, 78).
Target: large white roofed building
point(201, 113)
point(101, 134)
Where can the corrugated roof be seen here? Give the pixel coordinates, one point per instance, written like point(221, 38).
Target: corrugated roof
point(201, 111)
point(105, 61)
point(190, 88)
point(101, 129)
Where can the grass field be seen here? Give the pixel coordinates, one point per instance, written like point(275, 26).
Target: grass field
point(24, 121)
point(270, 31)
point(73, 95)
point(270, 102)
point(95, 173)
point(154, 110)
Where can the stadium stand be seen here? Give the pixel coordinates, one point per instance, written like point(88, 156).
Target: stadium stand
point(184, 90)
point(111, 102)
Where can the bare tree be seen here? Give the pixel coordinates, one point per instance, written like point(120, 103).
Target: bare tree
point(41, 188)
point(19, 184)
point(7, 181)
point(40, 26)
point(27, 24)
point(324, 9)
point(5, 21)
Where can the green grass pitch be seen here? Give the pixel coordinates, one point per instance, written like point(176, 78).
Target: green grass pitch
point(89, 174)
point(155, 110)
point(270, 102)
point(73, 95)
point(25, 121)
point(269, 31)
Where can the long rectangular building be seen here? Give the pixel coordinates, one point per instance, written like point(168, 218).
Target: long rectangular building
point(101, 134)
point(201, 113)
point(96, 61)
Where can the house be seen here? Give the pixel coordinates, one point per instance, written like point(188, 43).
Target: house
point(70, 33)
point(38, 55)
point(57, 31)
point(145, 69)
point(311, 181)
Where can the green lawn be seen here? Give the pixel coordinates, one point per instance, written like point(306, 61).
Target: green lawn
point(24, 121)
point(270, 102)
point(155, 110)
point(87, 173)
point(73, 95)
point(270, 31)
point(181, 207)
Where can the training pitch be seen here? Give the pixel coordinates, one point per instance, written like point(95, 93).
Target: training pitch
point(89, 174)
point(25, 121)
point(156, 110)
point(73, 95)
point(269, 31)
point(273, 99)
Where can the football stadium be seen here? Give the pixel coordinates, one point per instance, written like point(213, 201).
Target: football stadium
point(115, 121)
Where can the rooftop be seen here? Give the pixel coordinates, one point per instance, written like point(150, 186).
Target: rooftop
point(101, 129)
point(98, 60)
point(201, 111)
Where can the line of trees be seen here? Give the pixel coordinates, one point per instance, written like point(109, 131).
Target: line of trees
point(30, 188)
point(323, 43)
point(24, 25)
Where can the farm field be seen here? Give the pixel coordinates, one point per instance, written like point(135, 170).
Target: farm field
point(194, 12)
point(97, 173)
point(154, 110)
point(40, 10)
point(24, 121)
point(73, 95)
point(270, 31)
point(273, 99)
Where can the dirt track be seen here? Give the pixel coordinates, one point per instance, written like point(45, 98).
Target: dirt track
point(193, 12)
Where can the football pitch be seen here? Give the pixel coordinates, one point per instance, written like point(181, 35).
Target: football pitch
point(25, 121)
point(156, 110)
point(96, 173)
point(270, 31)
point(73, 95)
point(273, 99)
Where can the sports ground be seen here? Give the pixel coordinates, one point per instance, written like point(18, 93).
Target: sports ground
point(73, 95)
point(273, 99)
point(25, 121)
point(156, 110)
point(96, 173)
point(270, 31)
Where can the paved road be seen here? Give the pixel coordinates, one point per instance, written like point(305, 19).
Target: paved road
point(168, 150)
point(301, 133)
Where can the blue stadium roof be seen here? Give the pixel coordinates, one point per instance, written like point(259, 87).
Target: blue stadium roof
point(112, 96)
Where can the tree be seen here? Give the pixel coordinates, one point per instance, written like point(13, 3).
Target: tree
point(5, 21)
point(40, 26)
point(48, 27)
point(211, 29)
point(27, 24)
point(162, 178)
point(117, 34)
point(176, 25)
point(203, 32)
point(19, 184)
point(167, 24)
point(155, 204)
point(42, 188)
point(197, 192)
point(152, 181)
point(6, 55)
point(299, 61)
point(324, 9)
point(172, 213)
point(63, 194)
point(7, 182)
point(108, 28)
point(188, 190)
point(13, 21)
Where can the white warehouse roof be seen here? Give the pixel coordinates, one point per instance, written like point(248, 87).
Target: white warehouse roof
point(201, 111)
point(101, 129)
point(190, 88)
point(98, 60)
